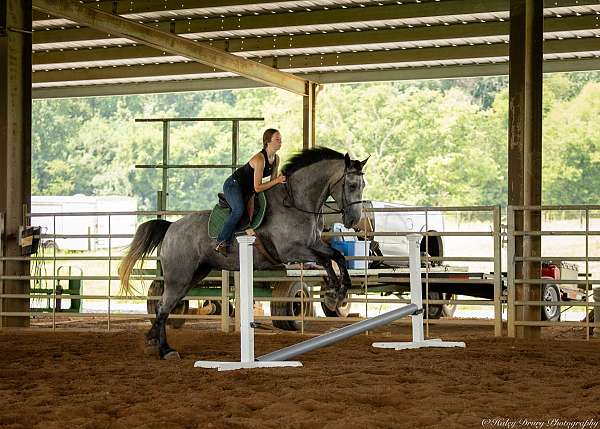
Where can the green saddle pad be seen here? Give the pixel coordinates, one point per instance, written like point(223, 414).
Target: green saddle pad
point(219, 215)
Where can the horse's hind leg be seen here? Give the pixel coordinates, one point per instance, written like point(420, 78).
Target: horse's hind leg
point(168, 303)
point(156, 336)
point(174, 291)
point(152, 335)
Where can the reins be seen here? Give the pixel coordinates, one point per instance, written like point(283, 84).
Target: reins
point(292, 204)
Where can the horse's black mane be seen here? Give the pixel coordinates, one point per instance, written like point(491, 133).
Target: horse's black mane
point(308, 157)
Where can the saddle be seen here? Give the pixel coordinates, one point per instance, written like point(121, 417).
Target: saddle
point(222, 201)
point(221, 211)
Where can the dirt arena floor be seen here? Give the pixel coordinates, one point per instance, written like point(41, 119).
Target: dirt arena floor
point(105, 380)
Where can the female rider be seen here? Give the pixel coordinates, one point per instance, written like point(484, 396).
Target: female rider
point(241, 186)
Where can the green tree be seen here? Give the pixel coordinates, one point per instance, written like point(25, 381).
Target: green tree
point(431, 142)
point(572, 150)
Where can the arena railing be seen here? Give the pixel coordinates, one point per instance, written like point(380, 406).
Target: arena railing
point(112, 257)
point(585, 285)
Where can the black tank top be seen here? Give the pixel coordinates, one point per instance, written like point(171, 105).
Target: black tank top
point(245, 175)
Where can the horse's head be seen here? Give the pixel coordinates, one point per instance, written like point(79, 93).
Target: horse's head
point(348, 190)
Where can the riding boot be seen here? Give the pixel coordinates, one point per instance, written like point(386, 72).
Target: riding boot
point(222, 248)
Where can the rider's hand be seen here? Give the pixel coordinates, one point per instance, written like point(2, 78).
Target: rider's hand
point(280, 178)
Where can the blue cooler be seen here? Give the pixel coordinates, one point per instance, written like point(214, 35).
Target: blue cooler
point(352, 248)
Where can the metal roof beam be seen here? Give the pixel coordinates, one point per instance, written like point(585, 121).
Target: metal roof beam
point(237, 6)
point(148, 6)
point(173, 44)
point(440, 32)
point(315, 61)
point(315, 17)
point(416, 73)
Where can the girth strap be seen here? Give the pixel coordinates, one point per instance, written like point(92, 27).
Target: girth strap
point(261, 248)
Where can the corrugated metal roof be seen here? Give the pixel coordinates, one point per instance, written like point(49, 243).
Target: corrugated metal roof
point(112, 63)
point(332, 28)
point(282, 31)
point(223, 11)
point(136, 80)
point(370, 67)
point(117, 41)
point(439, 43)
point(257, 9)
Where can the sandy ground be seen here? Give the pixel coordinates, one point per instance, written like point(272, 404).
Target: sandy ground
point(105, 380)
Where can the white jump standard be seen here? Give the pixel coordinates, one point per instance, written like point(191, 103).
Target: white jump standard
point(278, 357)
point(246, 317)
point(416, 297)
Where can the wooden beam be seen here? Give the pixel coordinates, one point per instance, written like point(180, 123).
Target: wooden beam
point(96, 54)
point(123, 72)
point(448, 72)
point(397, 56)
point(525, 149)
point(172, 43)
point(309, 117)
point(411, 73)
point(69, 35)
point(15, 148)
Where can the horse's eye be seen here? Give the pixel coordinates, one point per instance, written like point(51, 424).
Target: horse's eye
point(353, 187)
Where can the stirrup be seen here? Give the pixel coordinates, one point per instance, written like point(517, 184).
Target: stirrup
point(222, 249)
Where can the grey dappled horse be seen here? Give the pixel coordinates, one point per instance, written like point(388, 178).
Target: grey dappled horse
point(290, 232)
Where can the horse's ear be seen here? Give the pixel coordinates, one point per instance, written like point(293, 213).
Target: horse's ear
point(347, 160)
point(362, 163)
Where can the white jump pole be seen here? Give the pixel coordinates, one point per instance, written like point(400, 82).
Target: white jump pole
point(416, 297)
point(246, 317)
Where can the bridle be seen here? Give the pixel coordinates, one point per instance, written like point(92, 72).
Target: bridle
point(291, 203)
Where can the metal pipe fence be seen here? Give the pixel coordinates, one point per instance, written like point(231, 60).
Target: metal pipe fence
point(560, 299)
point(365, 281)
point(362, 281)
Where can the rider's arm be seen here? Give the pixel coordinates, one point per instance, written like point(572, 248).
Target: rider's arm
point(275, 172)
point(258, 163)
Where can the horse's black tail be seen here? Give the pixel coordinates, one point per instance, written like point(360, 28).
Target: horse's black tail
point(147, 238)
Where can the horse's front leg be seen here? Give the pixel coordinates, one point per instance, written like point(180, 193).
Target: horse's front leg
point(330, 294)
point(340, 288)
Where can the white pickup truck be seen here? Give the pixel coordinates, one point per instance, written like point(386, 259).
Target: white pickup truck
point(404, 221)
point(397, 221)
point(397, 246)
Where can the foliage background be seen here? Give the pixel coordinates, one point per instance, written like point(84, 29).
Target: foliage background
point(431, 142)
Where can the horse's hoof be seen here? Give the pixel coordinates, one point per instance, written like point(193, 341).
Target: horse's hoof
point(330, 301)
point(172, 355)
point(340, 301)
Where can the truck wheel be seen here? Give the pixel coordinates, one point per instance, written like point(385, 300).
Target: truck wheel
point(211, 307)
point(551, 312)
point(290, 290)
point(433, 311)
point(435, 245)
point(156, 289)
point(216, 307)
